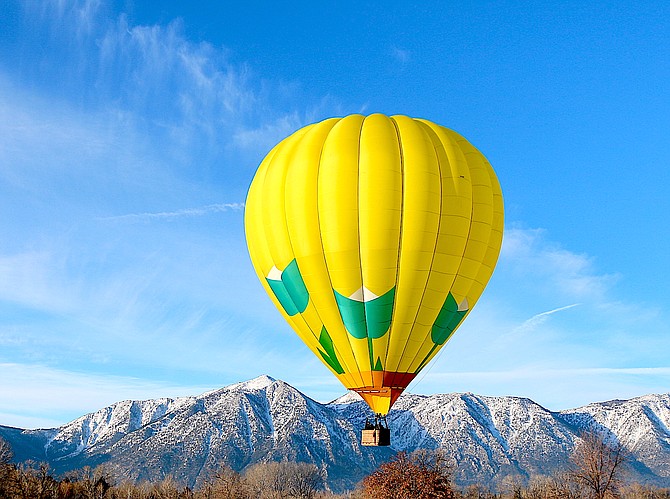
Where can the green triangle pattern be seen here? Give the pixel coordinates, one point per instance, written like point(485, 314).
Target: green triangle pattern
point(447, 320)
point(329, 355)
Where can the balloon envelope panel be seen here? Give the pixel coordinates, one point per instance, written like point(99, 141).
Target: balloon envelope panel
point(374, 237)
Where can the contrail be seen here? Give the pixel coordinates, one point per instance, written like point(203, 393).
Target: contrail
point(541, 317)
point(186, 212)
point(554, 311)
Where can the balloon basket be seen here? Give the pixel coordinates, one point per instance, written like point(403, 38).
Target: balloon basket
point(377, 433)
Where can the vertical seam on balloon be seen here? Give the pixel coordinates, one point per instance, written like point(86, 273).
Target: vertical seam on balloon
point(439, 223)
point(252, 248)
point(318, 227)
point(492, 179)
point(323, 254)
point(489, 170)
point(261, 181)
point(496, 193)
point(474, 279)
point(418, 380)
point(427, 279)
point(465, 250)
point(360, 259)
point(293, 320)
point(288, 232)
point(400, 236)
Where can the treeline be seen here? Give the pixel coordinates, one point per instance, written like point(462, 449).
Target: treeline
point(266, 480)
point(597, 471)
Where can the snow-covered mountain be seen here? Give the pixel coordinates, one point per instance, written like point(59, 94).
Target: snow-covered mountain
point(264, 419)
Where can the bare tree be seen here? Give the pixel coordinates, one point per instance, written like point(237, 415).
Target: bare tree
point(283, 480)
point(597, 465)
point(539, 487)
point(638, 491)
point(264, 480)
point(423, 474)
point(7, 470)
point(6, 454)
point(226, 483)
point(89, 483)
point(512, 486)
point(562, 486)
point(169, 488)
point(304, 480)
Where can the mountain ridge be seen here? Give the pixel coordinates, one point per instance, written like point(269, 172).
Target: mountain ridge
point(264, 419)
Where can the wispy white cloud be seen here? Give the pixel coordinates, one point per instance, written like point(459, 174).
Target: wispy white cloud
point(36, 131)
point(49, 397)
point(529, 253)
point(533, 371)
point(193, 81)
point(32, 279)
point(268, 134)
point(189, 97)
point(555, 388)
point(186, 212)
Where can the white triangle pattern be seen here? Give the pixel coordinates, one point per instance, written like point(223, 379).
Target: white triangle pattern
point(274, 274)
point(363, 294)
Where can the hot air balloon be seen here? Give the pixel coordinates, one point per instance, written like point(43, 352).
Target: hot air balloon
point(374, 237)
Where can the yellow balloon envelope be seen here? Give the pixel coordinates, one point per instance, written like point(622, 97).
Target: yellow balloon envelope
point(374, 236)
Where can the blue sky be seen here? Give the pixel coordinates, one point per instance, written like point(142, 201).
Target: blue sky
point(130, 131)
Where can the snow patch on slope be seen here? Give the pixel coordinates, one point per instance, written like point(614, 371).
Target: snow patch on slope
point(259, 383)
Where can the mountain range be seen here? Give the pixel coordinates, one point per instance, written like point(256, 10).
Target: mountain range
point(487, 438)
